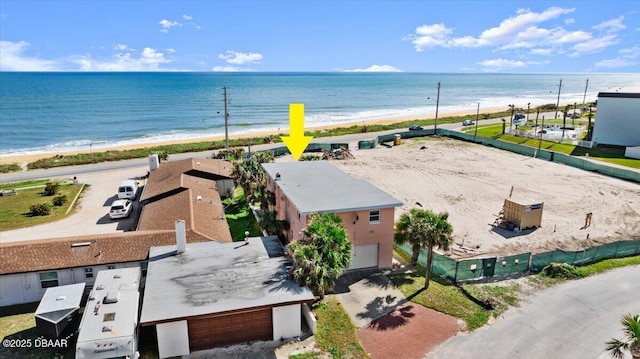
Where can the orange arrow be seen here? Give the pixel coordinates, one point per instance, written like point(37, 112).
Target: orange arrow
point(296, 141)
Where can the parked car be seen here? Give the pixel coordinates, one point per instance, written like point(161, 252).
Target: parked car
point(120, 209)
point(128, 189)
point(415, 128)
point(575, 115)
point(518, 116)
point(467, 122)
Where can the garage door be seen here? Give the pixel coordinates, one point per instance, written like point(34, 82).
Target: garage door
point(364, 256)
point(230, 329)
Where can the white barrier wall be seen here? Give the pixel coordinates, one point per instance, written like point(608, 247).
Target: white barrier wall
point(632, 152)
point(287, 321)
point(310, 318)
point(173, 339)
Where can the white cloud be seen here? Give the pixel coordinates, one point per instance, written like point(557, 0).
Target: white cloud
point(501, 64)
point(569, 21)
point(13, 58)
point(429, 36)
point(228, 69)
point(376, 68)
point(593, 45)
point(514, 32)
point(187, 17)
point(120, 47)
point(627, 57)
point(129, 60)
point(167, 25)
point(241, 58)
point(541, 51)
point(613, 25)
point(615, 63)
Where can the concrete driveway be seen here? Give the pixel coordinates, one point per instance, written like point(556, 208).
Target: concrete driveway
point(91, 216)
point(367, 295)
point(571, 320)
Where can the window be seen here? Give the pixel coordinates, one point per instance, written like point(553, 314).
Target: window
point(49, 279)
point(374, 217)
point(298, 216)
point(111, 266)
point(88, 273)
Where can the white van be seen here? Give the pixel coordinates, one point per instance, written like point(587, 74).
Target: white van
point(128, 189)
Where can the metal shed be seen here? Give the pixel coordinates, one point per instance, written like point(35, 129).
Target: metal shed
point(523, 212)
point(57, 315)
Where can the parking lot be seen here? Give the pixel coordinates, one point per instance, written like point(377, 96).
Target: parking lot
point(92, 212)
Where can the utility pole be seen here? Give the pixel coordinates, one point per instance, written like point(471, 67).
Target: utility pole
point(585, 92)
point(226, 123)
point(540, 132)
point(558, 103)
point(475, 134)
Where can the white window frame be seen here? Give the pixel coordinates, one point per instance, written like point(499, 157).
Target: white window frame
point(372, 215)
point(47, 280)
point(88, 273)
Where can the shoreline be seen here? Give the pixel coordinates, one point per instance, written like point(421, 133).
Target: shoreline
point(23, 159)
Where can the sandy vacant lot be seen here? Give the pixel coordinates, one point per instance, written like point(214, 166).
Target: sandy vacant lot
point(471, 182)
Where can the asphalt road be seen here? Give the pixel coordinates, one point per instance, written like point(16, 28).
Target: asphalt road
point(571, 320)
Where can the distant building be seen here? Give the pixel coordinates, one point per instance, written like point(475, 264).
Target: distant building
point(212, 294)
point(618, 119)
point(304, 188)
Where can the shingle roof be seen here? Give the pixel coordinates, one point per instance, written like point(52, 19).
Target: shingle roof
point(50, 254)
point(186, 190)
point(318, 186)
point(170, 175)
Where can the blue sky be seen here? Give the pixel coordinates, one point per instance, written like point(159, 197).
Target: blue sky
point(410, 36)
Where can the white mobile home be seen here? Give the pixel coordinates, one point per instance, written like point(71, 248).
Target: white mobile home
point(109, 326)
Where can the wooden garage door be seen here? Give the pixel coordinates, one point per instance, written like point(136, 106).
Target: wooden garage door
point(230, 329)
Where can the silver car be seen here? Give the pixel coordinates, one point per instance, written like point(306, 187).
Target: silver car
point(120, 209)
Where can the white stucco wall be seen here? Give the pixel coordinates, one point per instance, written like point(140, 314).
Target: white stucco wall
point(225, 187)
point(632, 152)
point(617, 121)
point(310, 318)
point(21, 288)
point(287, 321)
point(173, 339)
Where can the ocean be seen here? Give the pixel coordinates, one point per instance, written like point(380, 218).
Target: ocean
point(53, 112)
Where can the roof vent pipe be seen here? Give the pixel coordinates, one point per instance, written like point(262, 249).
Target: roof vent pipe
point(181, 237)
point(278, 176)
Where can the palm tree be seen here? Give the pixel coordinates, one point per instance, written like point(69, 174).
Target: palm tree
point(631, 328)
point(424, 229)
point(323, 253)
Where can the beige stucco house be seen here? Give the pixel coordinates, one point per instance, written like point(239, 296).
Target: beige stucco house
point(304, 188)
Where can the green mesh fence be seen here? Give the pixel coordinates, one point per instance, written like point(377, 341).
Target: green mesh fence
point(587, 256)
point(512, 264)
point(441, 265)
point(469, 269)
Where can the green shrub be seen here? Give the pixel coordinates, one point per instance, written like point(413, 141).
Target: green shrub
point(59, 200)
point(51, 188)
point(12, 167)
point(41, 209)
point(561, 270)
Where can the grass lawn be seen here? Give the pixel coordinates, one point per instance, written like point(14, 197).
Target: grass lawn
point(610, 155)
point(18, 322)
point(14, 210)
point(239, 217)
point(336, 333)
point(445, 298)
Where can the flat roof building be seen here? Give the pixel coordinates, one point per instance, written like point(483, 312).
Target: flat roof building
point(217, 294)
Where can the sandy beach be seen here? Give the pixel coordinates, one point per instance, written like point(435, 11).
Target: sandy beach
point(26, 158)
